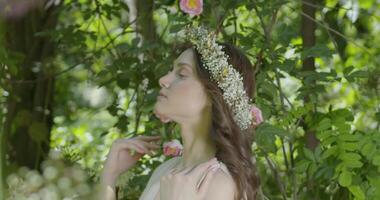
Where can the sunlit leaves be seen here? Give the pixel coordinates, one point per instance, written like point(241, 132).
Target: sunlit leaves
point(357, 192)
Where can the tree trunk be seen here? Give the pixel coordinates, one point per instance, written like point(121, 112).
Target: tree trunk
point(308, 28)
point(30, 85)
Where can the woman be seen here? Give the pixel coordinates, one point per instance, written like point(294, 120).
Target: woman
point(195, 101)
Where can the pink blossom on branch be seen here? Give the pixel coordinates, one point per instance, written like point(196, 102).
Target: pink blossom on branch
point(192, 7)
point(173, 148)
point(257, 116)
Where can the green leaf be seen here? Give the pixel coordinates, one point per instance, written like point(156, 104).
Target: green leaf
point(312, 169)
point(377, 116)
point(356, 74)
point(331, 3)
point(329, 152)
point(352, 164)
point(286, 33)
point(302, 166)
point(345, 178)
point(309, 154)
point(324, 134)
point(357, 192)
point(266, 136)
point(175, 28)
point(319, 50)
point(350, 146)
point(324, 124)
point(317, 153)
point(265, 141)
point(376, 160)
point(344, 128)
point(343, 113)
point(368, 150)
point(269, 89)
point(329, 141)
point(350, 156)
point(349, 137)
point(347, 70)
point(123, 81)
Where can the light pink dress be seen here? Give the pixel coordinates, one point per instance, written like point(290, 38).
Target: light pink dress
point(151, 191)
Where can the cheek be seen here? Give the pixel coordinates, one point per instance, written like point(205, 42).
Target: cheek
point(190, 96)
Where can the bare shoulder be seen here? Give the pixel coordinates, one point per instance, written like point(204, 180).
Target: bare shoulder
point(165, 166)
point(222, 186)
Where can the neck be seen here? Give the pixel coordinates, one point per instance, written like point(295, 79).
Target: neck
point(197, 144)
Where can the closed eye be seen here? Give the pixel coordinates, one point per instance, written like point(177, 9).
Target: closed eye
point(181, 75)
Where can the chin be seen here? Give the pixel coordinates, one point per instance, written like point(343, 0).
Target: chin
point(157, 108)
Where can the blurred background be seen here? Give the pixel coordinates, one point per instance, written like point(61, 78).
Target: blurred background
point(77, 74)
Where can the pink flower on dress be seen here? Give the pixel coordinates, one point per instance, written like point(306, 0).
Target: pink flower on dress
point(257, 115)
point(192, 7)
point(173, 148)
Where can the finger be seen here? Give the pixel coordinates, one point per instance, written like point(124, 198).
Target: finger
point(133, 147)
point(123, 145)
point(148, 148)
point(205, 182)
point(149, 138)
point(145, 149)
point(149, 145)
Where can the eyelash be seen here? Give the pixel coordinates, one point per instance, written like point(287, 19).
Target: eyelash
point(179, 74)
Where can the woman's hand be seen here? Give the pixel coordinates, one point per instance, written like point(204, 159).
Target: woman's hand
point(124, 153)
point(188, 184)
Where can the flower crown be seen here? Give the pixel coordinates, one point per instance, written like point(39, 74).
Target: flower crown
point(227, 77)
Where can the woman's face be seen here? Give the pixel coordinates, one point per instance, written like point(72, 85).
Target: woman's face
point(184, 96)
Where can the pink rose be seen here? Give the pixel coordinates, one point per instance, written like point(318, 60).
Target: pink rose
point(192, 7)
point(257, 115)
point(173, 148)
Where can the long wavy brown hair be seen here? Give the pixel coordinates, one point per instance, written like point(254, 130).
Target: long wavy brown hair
point(233, 145)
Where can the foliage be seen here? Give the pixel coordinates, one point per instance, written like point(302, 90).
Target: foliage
point(107, 81)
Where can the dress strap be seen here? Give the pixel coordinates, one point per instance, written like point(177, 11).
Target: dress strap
point(222, 166)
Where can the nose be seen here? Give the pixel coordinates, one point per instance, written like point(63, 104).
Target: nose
point(164, 81)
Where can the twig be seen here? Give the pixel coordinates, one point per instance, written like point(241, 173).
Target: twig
point(277, 177)
point(338, 7)
point(331, 38)
point(235, 26)
point(221, 20)
point(109, 36)
point(118, 35)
